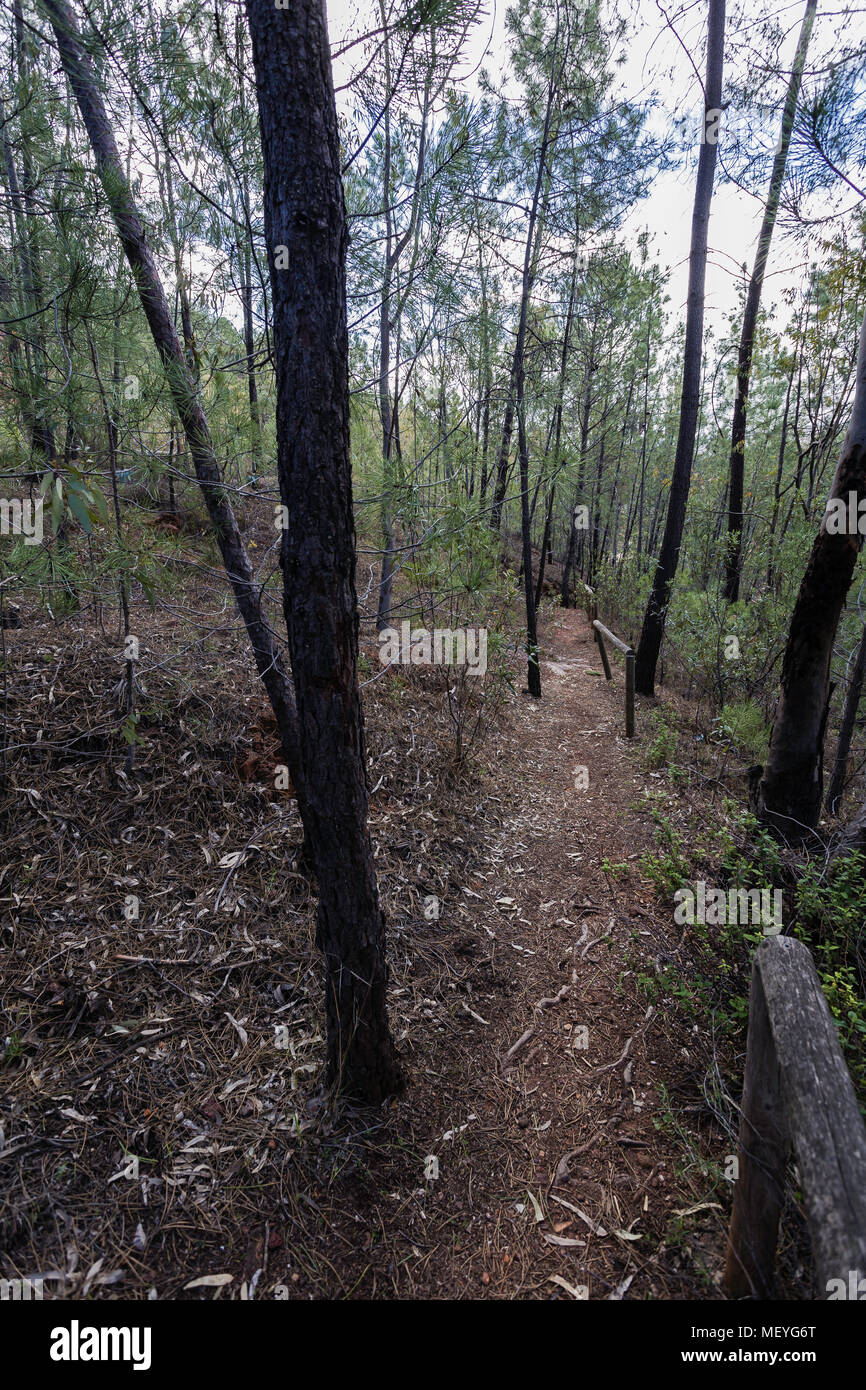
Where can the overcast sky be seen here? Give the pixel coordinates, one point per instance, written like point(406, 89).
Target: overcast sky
point(658, 61)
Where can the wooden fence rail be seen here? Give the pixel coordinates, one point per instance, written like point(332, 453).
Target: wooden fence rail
point(601, 632)
point(797, 1096)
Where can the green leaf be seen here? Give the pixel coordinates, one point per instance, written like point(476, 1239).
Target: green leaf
point(147, 586)
point(79, 511)
point(96, 498)
point(56, 504)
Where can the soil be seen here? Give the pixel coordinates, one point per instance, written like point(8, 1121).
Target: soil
point(161, 1118)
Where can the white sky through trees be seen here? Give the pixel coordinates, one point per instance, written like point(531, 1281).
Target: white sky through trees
point(663, 48)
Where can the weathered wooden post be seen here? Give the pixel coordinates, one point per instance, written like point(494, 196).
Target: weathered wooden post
point(603, 651)
point(600, 633)
point(629, 694)
point(762, 1156)
point(797, 1094)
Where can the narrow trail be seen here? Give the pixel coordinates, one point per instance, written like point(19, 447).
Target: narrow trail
point(555, 1158)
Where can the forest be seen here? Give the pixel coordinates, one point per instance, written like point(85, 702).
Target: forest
point(432, 635)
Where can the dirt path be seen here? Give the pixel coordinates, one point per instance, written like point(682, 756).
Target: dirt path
point(550, 1165)
point(552, 1127)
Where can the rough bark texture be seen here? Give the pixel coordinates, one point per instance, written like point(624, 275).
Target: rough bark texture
point(789, 794)
point(846, 728)
point(798, 1095)
point(545, 545)
point(750, 313)
point(654, 619)
point(83, 81)
point(304, 212)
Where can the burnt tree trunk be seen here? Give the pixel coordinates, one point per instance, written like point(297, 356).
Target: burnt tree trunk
point(305, 218)
point(545, 544)
point(789, 794)
point(666, 568)
point(846, 728)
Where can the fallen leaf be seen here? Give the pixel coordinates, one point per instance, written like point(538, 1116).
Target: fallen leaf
point(210, 1281)
point(581, 1291)
point(241, 1032)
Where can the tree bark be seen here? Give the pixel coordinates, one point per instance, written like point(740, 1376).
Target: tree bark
point(305, 215)
point(545, 544)
point(789, 794)
point(514, 401)
point(846, 727)
point(654, 619)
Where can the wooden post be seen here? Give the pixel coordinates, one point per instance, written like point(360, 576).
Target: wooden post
point(762, 1155)
point(628, 652)
point(797, 1094)
point(601, 647)
point(629, 694)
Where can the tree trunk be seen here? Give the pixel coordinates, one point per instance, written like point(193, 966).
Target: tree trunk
point(305, 214)
point(654, 619)
point(750, 314)
point(386, 576)
point(85, 86)
point(846, 728)
point(568, 563)
point(250, 354)
point(245, 261)
point(514, 402)
point(789, 794)
point(777, 486)
point(545, 544)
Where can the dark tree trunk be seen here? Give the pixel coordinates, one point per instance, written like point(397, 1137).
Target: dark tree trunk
point(568, 563)
point(305, 213)
point(777, 487)
point(503, 461)
point(545, 544)
point(514, 402)
point(592, 367)
point(846, 728)
point(245, 262)
point(750, 315)
point(643, 457)
point(386, 576)
point(533, 669)
point(250, 353)
point(85, 86)
point(789, 794)
point(654, 619)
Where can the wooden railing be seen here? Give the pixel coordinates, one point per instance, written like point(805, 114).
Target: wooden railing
point(797, 1096)
point(600, 633)
point(590, 605)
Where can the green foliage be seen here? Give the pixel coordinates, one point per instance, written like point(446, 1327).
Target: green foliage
point(661, 746)
point(830, 906)
point(668, 869)
point(741, 724)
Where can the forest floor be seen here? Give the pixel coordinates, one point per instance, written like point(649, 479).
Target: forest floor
point(160, 1119)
